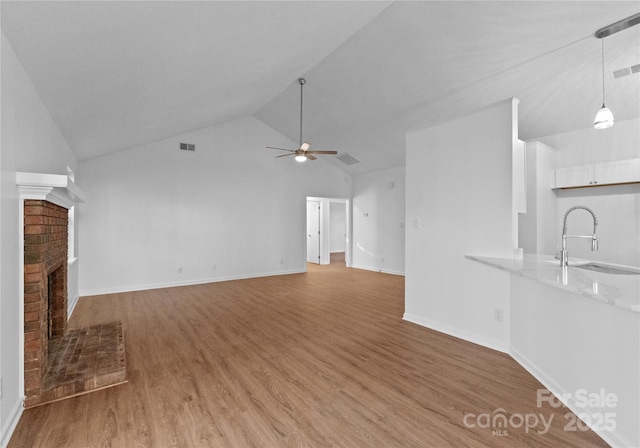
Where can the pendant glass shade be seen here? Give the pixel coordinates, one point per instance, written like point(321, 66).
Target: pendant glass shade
point(604, 118)
point(302, 158)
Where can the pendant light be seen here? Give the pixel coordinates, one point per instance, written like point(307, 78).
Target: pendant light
point(604, 117)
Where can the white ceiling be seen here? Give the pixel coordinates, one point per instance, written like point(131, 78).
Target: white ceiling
point(115, 75)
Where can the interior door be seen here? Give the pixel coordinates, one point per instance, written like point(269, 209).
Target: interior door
point(313, 232)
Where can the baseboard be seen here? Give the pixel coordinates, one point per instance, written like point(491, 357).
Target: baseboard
point(131, 288)
point(456, 333)
point(10, 424)
point(72, 305)
point(610, 437)
point(384, 271)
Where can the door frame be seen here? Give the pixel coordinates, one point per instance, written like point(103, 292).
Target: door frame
point(325, 221)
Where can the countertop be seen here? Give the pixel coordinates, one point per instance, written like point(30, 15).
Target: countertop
point(622, 291)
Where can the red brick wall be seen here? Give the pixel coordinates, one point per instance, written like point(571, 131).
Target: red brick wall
point(45, 260)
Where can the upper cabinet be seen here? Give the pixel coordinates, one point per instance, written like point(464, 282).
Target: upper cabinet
point(599, 174)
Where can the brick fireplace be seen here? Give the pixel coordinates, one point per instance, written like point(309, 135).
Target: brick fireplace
point(59, 362)
point(45, 289)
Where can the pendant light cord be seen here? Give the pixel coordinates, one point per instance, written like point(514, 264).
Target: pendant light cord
point(602, 38)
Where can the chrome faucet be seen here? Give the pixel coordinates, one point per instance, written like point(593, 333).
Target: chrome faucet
point(564, 256)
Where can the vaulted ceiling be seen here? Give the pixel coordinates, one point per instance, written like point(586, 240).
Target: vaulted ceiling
point(115, 75)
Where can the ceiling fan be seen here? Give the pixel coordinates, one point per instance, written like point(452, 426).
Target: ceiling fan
point(302, 153)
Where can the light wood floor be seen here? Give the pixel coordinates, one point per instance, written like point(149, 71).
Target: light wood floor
point(309, 360)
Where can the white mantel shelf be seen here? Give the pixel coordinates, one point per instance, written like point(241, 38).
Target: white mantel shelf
point(55, 188)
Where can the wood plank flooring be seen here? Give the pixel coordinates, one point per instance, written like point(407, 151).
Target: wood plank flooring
point(309, 360)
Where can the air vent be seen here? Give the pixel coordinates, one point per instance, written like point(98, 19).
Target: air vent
point(187, 147)
point(625, 71)
point(347, 159)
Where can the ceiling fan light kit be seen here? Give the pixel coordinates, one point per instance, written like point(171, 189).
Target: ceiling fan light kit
point(302, 153)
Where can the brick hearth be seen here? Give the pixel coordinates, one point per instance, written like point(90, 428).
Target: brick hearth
point(84, 360)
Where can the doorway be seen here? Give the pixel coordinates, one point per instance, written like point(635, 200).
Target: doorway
point(333, 232)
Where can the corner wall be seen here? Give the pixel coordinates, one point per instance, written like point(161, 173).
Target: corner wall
point(537, 227)
point(617, 207)
point(379, 221)
point(459, 201)
point(31, 142)
point(156, 216)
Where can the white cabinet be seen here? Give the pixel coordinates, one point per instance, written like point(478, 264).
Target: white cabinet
point(607, 173)
point(617, 172)
point(574, 176)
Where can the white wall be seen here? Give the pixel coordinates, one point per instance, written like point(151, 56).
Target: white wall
point(589, 145)
point(537, 227)
point(459, 201)
point(379, 221)
point(228, 210)
point(30, 142)
point(617, 207)
point(337, 227)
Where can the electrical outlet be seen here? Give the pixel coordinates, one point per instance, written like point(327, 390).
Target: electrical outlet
point(498, 314)
point(215, 266)
point(180, 270)
point(281, 261)
point(382, 260)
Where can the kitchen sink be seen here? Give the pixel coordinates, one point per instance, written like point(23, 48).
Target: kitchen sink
point(607, 269)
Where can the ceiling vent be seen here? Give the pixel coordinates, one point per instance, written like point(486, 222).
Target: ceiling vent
point(187, 147)
point(347, 159)
point(625, 71)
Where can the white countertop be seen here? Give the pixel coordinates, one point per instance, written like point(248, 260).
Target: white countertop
point(622, 291)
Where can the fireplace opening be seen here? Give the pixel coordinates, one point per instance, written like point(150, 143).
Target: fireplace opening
point(50, 293)
point(57, 303)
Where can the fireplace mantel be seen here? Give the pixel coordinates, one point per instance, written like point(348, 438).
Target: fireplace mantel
point(58, 189)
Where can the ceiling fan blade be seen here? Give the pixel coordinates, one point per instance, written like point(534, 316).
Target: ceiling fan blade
point(322, 152)
point(305, 146)
point(310, 157)
point(285, 155)
point(281, 149)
